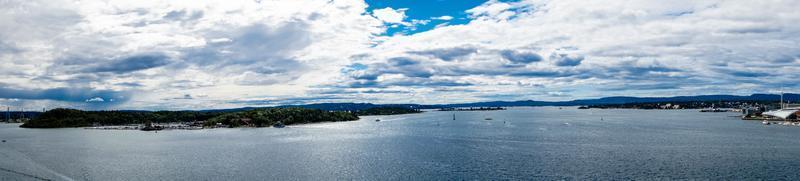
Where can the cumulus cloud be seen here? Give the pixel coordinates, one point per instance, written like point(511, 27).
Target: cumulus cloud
point(157, 47)
point(566, 59)
point(443, 18)
point(633, 48)
point(447, 54)
point(520, 57)
point(144, 54)
point(131, 63)
point(96, 99)
point(183, 15)
point(390, 15)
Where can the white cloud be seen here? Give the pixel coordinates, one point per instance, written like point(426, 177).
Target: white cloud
point(690, 47)
point(96, 99)
point(445, 18)
point(210, 45)
point(529, 49)
point(492, 8)
point(390, 15)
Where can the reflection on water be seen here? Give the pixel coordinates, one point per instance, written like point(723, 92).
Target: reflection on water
point(519, 143)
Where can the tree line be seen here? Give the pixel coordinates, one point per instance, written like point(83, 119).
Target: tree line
point(261, 117)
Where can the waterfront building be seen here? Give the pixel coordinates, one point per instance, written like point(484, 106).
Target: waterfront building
point(783, 113)
point(786, 111)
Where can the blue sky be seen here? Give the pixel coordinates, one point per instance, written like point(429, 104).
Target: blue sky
point(156, 55)
point(427, 10)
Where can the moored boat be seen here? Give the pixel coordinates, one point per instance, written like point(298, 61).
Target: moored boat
point(278, 125)
point(152, 128)
point(148, 126)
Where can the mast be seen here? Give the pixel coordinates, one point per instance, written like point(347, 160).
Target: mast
point(781, 99)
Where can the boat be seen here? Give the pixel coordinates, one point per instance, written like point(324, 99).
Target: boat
point(148, 126)
point(152, 128)
point(488, 119)
point(278, 125)
point(765, 122)
point(377, 120)
point(715, 110)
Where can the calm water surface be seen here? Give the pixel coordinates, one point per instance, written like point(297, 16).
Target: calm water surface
point(541, 143)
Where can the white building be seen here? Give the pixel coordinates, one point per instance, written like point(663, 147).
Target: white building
point(783, 113)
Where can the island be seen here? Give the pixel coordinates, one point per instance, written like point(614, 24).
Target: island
point(61, 118)
point(257, 117)
point(278, 116)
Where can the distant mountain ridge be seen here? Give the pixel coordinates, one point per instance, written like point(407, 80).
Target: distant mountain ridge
point(579, 102)
point(794, 98)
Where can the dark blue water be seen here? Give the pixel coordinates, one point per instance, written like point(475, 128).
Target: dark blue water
point(544, 143)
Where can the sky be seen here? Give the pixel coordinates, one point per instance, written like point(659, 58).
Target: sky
point(179, 55)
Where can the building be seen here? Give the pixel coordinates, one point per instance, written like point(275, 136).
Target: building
point(783, 113)
point(787, 111)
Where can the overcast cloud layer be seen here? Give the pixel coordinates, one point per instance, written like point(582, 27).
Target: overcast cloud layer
point(221, 54)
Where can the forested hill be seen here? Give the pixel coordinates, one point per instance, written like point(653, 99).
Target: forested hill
point(266, 117)
point(259, 117)
point(59, 118)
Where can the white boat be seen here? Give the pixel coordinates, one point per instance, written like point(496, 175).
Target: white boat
point(765, 122)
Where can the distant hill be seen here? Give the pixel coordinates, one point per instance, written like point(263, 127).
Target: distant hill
point(579, 102)
point(626, 100)
point(794, 98)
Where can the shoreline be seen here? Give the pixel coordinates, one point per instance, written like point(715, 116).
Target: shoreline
point(137, 127)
